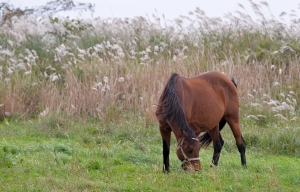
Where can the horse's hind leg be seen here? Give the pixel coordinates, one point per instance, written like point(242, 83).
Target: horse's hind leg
point(221, 140)
point(217, 143)
point(240, 142)
point(221, 126)
point(165, 132)
point(222, 123)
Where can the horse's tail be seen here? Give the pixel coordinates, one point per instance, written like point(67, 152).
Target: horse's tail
point(233, 81)
point(170, 106)
point(205, 139)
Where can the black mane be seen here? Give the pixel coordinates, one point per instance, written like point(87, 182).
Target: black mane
point(170, 106)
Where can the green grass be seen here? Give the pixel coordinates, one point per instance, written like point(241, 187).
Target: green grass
point(127, 156)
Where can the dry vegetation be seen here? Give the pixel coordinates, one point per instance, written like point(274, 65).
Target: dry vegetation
point(101, 67)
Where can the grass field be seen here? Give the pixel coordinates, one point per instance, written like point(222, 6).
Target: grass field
point(127, 156)
point(78, 96)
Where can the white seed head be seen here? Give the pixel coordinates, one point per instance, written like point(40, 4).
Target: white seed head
point(276, 84)
point(55, 77)
point(105, 79)
point(121, 79)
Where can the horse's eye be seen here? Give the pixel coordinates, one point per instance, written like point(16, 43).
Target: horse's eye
point(189, 150)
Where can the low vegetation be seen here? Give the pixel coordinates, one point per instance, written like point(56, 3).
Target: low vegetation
point(127, 156)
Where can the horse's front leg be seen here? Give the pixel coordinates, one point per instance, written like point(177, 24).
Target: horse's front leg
point(166, 138)
point(217, 143)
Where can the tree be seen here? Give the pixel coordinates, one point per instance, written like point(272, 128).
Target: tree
point(8, 11)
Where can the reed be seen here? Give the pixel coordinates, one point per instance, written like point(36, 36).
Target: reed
point(97, 68)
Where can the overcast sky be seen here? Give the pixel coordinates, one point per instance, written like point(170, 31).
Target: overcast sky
point(170, 8)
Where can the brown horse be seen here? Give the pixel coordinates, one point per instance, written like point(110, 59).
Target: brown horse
point(190, 106)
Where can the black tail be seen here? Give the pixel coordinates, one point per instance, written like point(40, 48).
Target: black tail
point(205, 139)
point(233, 81)
point(170, 106)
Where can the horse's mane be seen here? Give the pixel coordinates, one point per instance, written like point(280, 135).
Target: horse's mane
point(170, 106)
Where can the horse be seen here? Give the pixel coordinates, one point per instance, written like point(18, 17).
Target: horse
point(200, 104)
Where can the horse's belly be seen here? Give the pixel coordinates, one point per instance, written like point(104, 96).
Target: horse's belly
point(204, 120)
point(203, 125)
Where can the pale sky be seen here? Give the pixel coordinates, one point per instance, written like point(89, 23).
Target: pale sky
point(171, 8)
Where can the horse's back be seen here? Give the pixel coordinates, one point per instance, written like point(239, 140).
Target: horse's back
point(223, 85)
point(206, 98)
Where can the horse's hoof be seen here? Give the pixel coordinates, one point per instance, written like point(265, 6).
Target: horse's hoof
point(213, 165)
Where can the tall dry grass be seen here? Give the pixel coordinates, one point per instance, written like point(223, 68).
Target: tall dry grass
point(99, 68)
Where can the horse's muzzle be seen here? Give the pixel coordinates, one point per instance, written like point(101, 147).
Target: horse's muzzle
point(191, 165)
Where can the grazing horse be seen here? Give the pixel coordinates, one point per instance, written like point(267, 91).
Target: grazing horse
point(190, 106)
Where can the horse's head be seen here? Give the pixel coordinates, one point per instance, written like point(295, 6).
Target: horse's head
point(188, 152)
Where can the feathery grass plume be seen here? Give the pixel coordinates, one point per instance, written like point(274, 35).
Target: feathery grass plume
point(58, 62)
